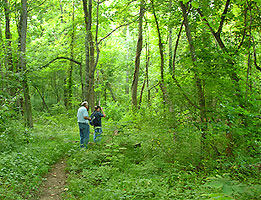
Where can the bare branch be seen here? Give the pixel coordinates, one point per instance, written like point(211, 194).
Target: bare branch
point(116, 30)
point(57, 58)
point(176, 47)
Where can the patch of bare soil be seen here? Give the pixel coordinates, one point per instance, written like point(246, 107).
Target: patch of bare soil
point(54, 183)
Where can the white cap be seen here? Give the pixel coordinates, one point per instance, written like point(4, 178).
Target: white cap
point(84, 103)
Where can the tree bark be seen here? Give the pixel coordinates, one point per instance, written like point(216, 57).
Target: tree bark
point(87, 49)
point(146, 81)
point(70, 79)
point(175, 50)
point(200, 90)
point(1, 56)
point(137, 59)
point(23, 23)
point(42, 97)
point(161, 54)
point(170, 41)
point(8, 37)
point(127, 91)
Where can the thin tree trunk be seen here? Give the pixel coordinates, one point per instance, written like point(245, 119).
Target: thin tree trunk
point(127, 91)
point(249, 55)
point(71, 63)
point(87, 49)
point(175, 50)
point(28, 108)
point(161, 54)
point(8, 37)
point(146, 81)
point(147, 64)
point(170, 41)
point(8, 50)
point(1, 56)
point(137, 59)
point(42, 97)
point(65, 81)
point(200, 90)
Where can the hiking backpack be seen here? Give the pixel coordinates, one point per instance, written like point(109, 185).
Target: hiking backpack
point(94, 119)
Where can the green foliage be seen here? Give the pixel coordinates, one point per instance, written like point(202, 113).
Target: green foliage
point(230, 189)
point(27, 155)
point(140, 163)
point(114, 111)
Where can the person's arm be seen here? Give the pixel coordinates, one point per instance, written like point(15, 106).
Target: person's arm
point(87, 118)
point(103, 113)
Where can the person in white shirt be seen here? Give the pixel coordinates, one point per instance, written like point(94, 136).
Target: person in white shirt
point(83, 122)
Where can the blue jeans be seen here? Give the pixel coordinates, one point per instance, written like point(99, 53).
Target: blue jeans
point(97, 134)
point(84, 134)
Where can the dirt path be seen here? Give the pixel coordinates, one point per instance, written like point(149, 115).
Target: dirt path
point(55, 181)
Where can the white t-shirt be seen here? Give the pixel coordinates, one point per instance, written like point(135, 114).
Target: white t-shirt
point(82, 112)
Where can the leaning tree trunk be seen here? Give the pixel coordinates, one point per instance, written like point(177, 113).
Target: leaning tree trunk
point(137, 59)
point(22, 63)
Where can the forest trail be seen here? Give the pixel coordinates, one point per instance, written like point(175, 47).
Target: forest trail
point(53, 186)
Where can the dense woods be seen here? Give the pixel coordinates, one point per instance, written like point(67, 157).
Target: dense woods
point(182, 79)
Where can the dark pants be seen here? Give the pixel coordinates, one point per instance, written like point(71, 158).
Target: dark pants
point(84, 134)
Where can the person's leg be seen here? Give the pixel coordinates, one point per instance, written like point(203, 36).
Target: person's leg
point(94, 135)
point(86, 134)
point(81, 127)
point(97, 134)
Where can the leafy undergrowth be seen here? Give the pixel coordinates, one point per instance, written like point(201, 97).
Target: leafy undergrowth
point(23, 163)
point(135, 162)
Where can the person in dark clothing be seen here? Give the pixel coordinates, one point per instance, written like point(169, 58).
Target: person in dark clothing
point(98, 114)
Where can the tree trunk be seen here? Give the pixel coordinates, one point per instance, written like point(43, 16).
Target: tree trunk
point(8, 36)
point(1, 56)
point(65, 81)
point(137, 59)
point(23, 23)
point(92, 60)
point(71, 62)
point(8, 51)
point(200, 90)
point(146, 81)
point(42, 97)
point(161, 54)
point(170, 40)
point(127, 91)
point(87, 49)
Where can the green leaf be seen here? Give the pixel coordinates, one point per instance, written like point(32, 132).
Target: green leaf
point(227, 189)
point(195, 4)
point(215, 184)
point(185, 1)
